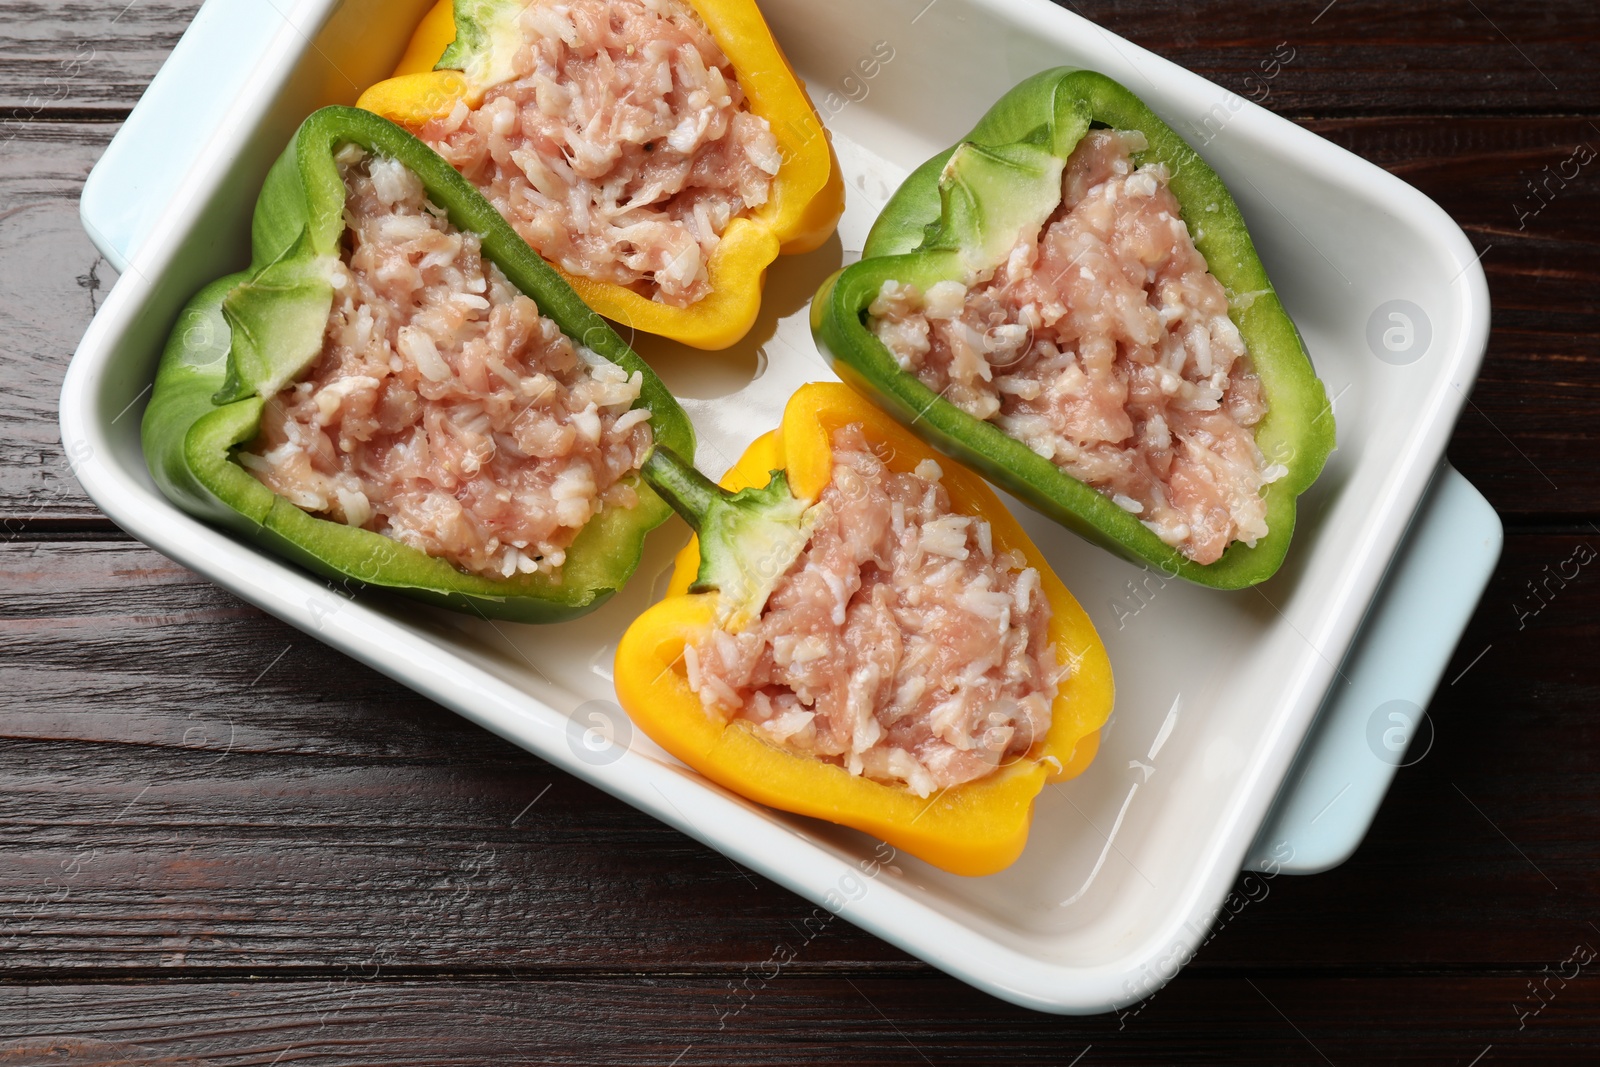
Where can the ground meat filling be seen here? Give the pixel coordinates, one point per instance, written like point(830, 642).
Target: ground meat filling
point(445, 411)
point(1105, 346)
point(622, 149)
point(900, 645)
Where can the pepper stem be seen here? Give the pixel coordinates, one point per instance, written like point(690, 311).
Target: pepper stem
point(691, 494)
point(748, 539)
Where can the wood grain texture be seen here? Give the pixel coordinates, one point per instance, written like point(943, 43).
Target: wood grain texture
point(51, 281)
point(223, 843)
point(1369, 57)
point(1351, 57)
point(184, 783)
point(1530, 450)
point(1484, 849)
point(791, 1019)
point(185, 788)
point(91, 58)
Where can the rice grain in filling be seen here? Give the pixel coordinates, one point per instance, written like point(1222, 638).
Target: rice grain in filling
point(1104, 345)
point(445, 412)
point(623, 147)
point(900, 645)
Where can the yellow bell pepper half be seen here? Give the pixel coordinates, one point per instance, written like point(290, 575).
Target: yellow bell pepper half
point(972, 829)
point(801, 213)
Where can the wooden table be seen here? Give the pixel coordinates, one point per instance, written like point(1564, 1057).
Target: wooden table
point(223, 843)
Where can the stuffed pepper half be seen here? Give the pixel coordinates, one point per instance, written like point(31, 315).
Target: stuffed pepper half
point(862, 633)
point(400, 393)
point(661, 153)
point(1069, 301)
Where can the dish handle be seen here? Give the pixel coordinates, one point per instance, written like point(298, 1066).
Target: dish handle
point(1373, 722)
point(184, 106)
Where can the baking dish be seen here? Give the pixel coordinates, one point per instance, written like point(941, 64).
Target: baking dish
point(1210, 762)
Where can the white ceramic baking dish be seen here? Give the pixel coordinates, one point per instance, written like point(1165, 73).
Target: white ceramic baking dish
point(1217, 692)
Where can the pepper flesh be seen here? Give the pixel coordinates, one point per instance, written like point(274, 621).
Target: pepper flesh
point(802, 210)
point(976, 828)
point(957, 210)
point(243, 336)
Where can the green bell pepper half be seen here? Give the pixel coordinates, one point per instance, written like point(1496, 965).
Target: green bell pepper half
point(959, 214)
point(243, 337)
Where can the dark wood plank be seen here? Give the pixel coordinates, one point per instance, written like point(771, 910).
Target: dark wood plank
point(84, 56)
point(207, 855)
point(183, 785)
point(1484, 849)
point(362, 1018)
point(1351, 57)
point(1369, 57)
point(184, 788)
point(1528, 447)
point(51, 281)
